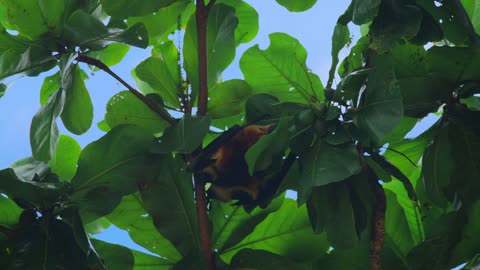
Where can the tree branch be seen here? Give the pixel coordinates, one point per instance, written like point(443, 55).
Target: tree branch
point(378, 229)
point(152, 105)
point(9, 233)
point(201, 15)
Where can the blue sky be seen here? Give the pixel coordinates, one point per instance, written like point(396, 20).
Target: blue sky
point(312, 28)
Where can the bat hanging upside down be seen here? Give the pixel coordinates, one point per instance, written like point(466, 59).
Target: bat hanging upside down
point(222, 163)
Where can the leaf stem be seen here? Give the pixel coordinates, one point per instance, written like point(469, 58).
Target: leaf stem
point(201, 15)
point(152, 105)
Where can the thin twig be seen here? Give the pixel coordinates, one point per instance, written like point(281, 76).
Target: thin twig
point(152, 105)
point(201, 15)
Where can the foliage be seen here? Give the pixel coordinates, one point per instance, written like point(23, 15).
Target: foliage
point(415, 58)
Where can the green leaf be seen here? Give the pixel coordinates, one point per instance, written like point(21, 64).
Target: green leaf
point(340, 38)
point(77, 114)
point(325, 164)
point(220, 45)
point(131, 216)
point(100, 182)
point(41, 194)
point(111, 55)
point(64, 160)
point(272, 146)
point(232, 223)
point(125, 108)
point(177, 219)
point(17, 56)
point(87, 31)
point(364, 10)
point(286, 232)
point(297, 6)
point(33, 18)
point(148, 262)
point(396, 20)
point(437, 168)
point(49, 86)
point(114, 256)
point(28, 169)
point(97, 226)
point(247, 27)
point(395, 172)
point(44, 129)
point(227, 98)
point(260, 259)
point(3, 89)
point(180, 138)
point(397, 229)
point(125, 8)
point(281, 71)
point(160, 72)
point(343, 210)
point(164, 21)
point(9, 212)
point(382, 109)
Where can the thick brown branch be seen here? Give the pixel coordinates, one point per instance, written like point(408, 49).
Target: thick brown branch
point(378, 229)
point(152, 105)
point(201, 15)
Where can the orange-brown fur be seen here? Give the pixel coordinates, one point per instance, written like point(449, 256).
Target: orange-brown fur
point(229, 170)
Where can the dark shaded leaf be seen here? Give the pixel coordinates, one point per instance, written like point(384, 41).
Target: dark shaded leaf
point(261, 259)
point(125, 8)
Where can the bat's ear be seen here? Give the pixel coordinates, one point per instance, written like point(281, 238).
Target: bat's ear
point(268, 128)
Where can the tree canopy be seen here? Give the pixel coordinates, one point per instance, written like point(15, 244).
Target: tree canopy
point(367, 197)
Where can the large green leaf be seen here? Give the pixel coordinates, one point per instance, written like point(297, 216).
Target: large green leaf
point(111, 55)
point(9, 212)
point(247, 27)
point(180, 138)
point(232, 223)
point(125, 8)
point(87, 31)
point(364, 10)
point(49, 86)
point(382, 109)
point(41, 194)
point(64, 160)
point(220, 45)
point(148, 262)
point(125, 108)
point(297, 6)
point(325, 164)
point(396, 20)
point(286, 232)
point(33, 18)
point(162, 74)
point(163, 22)
point(29, 168)
point(100, 181)
point(340, 38)
point(272, 146)
point(228, 98)
point(343, 210)
point(280, 70)
point(437, 168)
point(44, 129)
point(260, 259)
point(114, 256)
point(131, 216)
point(77, 114)
point(174, 216)
point(17, 56)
